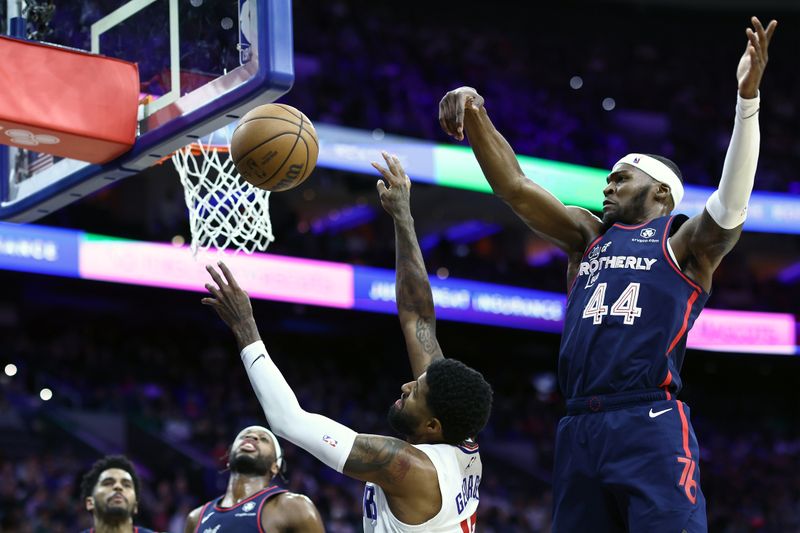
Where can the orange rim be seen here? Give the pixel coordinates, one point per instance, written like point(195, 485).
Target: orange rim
point(194, 148)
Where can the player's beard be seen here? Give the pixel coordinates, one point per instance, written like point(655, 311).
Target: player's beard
point(249, 465)
point(629, 214)
point(400, 421)
point(113, 515)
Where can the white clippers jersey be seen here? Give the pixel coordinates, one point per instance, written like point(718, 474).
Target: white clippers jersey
point(459, 470)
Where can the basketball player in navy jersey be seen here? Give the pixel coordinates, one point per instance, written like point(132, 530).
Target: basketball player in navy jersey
point(626, 454)
point(110, 491)
point(252, 502)
point(430, 480)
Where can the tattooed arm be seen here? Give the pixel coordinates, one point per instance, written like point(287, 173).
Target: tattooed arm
point(412, 288)
point(387, 461)
point(405, 473)
point(414, 298)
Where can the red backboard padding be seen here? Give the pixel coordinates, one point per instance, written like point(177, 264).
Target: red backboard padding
point(66, 102)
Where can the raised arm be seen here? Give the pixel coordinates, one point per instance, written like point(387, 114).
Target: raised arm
point(394, 465)
point(702, 242)
point(412, 287)
point(570, 228)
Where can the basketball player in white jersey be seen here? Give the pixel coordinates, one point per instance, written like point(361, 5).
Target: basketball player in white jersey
point(430, 480)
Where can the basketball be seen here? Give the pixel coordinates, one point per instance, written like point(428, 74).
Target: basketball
point(275, 147)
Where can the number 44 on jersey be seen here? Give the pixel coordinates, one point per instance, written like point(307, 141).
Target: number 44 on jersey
point(625, 306)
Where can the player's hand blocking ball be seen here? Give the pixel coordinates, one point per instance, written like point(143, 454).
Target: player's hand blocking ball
point(275, 147)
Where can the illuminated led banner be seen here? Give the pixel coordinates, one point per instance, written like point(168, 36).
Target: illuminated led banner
point(268, 277)
point(39, 249)
point(455, 166)
point(743, 331)
point(70, 253)
point(467, 301)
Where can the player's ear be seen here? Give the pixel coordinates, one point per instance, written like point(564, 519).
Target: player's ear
point(89, 503)
point(434, 427)
point(274, 470)
point(664, 194)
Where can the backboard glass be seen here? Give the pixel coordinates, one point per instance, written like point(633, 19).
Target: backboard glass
point(202, 64)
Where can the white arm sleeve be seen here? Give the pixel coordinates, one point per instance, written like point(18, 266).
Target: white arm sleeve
point(325, 439)
point(728, 205)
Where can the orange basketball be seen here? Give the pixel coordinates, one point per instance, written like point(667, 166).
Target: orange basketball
point(275, 147)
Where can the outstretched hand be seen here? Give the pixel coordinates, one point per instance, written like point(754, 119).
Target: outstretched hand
point(754, 61)
point(395, 198)
point(452, 107)
point(231, 303)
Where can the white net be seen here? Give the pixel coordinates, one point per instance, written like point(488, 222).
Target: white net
point(225, 212)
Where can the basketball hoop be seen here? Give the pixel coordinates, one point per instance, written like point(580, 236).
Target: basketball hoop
point(224, 210)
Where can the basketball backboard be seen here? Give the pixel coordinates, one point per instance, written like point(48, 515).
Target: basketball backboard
point(202, 64)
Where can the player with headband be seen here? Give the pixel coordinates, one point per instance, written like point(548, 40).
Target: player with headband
point(252, 502)
point(626, 454)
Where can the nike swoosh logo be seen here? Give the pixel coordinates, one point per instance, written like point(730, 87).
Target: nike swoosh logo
point(658, 413)
point(256, 359)
point(206, 517)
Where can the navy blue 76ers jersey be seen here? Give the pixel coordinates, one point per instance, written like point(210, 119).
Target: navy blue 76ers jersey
point(244, 516)
point(628, 313)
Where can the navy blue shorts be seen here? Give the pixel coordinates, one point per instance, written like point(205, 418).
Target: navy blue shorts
point(627, 463)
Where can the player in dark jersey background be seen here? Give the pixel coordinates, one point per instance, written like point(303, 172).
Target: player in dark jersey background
point(626, 454)
point(110, 491)
point(252, 502)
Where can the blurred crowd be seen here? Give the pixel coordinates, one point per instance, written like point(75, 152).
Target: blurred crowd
point(188, 390)
point(545, 73)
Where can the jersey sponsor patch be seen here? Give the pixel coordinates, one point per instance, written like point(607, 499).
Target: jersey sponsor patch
point(646, 235)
